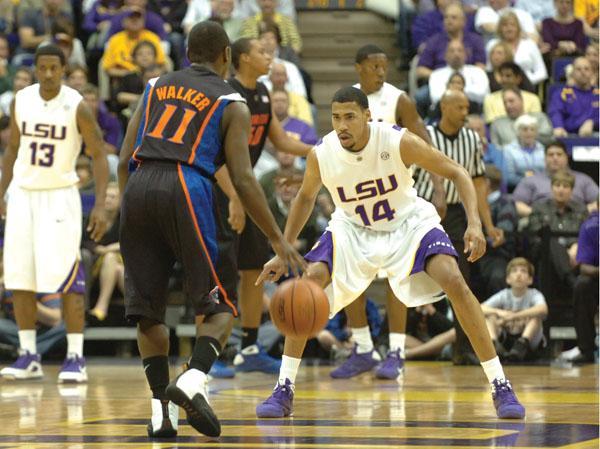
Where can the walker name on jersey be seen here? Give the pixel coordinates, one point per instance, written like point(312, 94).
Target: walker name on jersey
point(44, 130)
point(368, 189)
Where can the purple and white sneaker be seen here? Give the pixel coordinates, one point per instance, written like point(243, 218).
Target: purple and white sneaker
point(506, 402)
point(356, 364)
point(73, 370)
point(279, 404)
point(391, 367)
point(27, 366)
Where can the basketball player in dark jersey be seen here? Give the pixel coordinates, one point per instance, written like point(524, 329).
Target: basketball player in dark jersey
point(249, 251)
point(188, 123)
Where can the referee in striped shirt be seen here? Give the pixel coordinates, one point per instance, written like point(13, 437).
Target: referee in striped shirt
point(463, 146)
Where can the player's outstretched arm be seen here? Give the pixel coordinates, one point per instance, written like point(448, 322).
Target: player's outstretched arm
point(10, 156)
point(94, 147)
point(235, 127)
point(127, 147)
point(413, 150)
point(300, 210)
point(285, 143)
point(408, 117)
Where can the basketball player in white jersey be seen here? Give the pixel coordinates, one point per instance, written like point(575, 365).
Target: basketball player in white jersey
point(389, 105)
point(49, 123)
point(380, 224)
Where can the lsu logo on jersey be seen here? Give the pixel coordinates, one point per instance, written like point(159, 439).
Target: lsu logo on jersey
point(44, 130)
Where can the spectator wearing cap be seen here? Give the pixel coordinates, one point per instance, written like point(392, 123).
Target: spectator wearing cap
point(502, 130)
point(152, 21)
point(538, 187)
point(574, 108)
point(118, 56)
point(524, 156)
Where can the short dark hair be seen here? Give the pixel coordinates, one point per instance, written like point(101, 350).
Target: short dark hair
point(206, 42)
point(240, 47)
point(142, 44)
point(351, 95)
point(50, 50)
point(269, 27)
point(509, 65)
point(367, 50)
point(556, 143)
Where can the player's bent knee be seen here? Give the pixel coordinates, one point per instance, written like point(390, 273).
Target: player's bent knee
point(318, 272)
point(454, 285)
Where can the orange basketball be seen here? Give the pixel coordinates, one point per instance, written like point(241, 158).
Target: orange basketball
point(299, 308)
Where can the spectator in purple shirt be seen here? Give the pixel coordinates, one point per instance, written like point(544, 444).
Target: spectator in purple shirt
point(433, 55)
point(585, 292)
point(537, 187)
point(563, 34)
point(296, 129)
point(574, 109)
point(97, 19)
point(109, 124)
point(430, 23)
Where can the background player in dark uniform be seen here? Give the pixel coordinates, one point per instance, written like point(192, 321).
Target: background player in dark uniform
point(188, 123)
point(249, 251)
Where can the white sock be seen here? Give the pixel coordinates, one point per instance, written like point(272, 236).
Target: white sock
point(397, 342)
point(75, 344)
point(289, 369)
point(493, 369)
point(362, 337)
point(27, 340)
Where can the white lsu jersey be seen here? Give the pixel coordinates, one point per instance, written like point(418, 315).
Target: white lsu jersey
point(50, 140)
point(371, 188)
point(382, 103)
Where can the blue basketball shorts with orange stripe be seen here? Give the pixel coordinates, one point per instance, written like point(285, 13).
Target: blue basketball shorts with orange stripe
point(167, 216)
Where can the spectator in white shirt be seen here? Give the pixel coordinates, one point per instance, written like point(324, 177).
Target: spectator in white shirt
point(526, 53)
point(486, 19)
point(476, 80)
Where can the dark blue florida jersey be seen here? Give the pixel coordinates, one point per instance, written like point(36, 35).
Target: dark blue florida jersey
point(181, 119)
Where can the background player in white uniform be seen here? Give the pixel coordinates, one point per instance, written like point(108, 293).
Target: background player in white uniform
point(389, 105)
point(43, 214)
point(381, 224)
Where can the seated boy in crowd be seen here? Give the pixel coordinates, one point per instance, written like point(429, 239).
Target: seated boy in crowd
point(514, 315)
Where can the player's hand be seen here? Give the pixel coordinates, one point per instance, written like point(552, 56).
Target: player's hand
point(287, 258)
point(97, 223)
point(3, 208)
point(237, 215)
point(272, 271)
point(474, 242)
point(497, 236)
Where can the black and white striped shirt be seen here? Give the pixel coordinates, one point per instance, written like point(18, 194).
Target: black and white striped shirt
point(464, 148)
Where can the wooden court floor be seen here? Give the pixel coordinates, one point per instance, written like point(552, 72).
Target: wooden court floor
point(434, 405)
